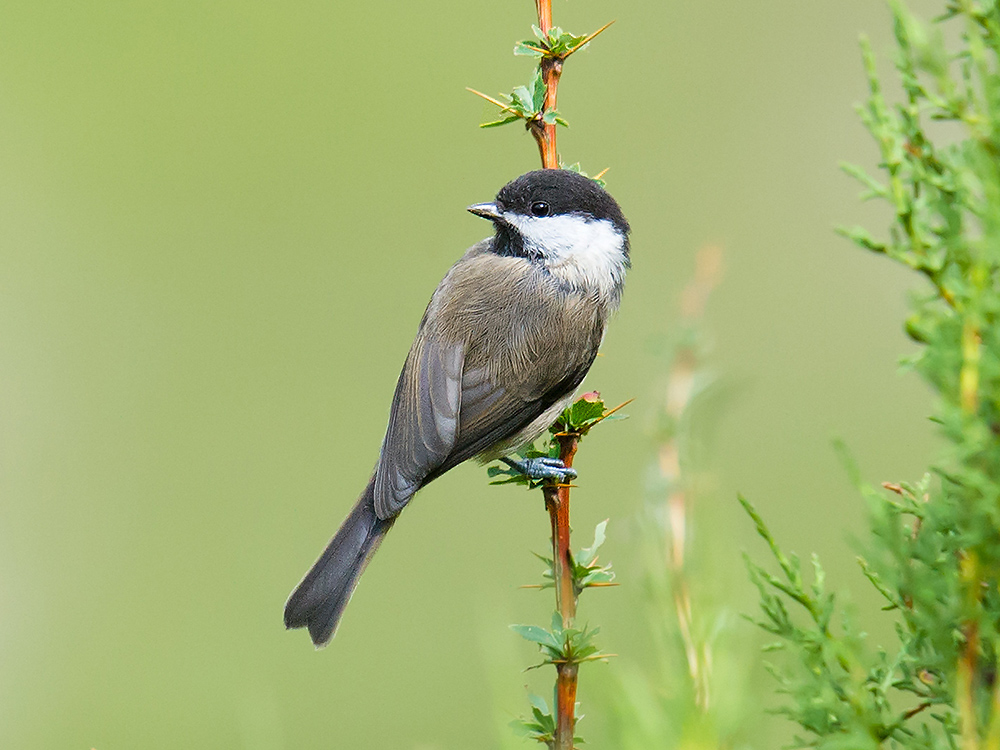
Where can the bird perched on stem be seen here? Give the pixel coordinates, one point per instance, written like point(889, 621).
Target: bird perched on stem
point(507, 337)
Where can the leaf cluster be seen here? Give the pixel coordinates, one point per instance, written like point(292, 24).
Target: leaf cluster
point(532, 103)
point(560, 644)
point(586, 570)
point(541, 727)
point(557, 44)
point(586, 413)
point(525, 103)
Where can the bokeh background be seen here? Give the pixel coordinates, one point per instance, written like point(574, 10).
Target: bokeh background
point(219, 225)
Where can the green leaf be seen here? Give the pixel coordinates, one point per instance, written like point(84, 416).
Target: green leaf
point(537, 635)
point(522, 101)
point(557, 626)
point(585, 410)
point(582, 415)
point(503, 121)
point(576, 167)
point(586, 556)
point(539, 704)
point(539, 91)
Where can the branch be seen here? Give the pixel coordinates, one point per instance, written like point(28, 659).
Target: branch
point(557, 504)
point(551, 67)
point(557, 496)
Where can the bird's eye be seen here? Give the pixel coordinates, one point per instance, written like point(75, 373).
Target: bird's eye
point(540, 208)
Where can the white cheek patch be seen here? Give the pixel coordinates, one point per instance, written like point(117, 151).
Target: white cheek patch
point(587, 254)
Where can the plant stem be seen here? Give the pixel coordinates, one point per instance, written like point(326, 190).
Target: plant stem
point(965, 695)
point(544, 8)
point(967, 661)
point(545, 135)
point(557, 504)
point(557, 496)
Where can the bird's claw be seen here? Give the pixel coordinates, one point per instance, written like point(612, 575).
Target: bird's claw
point(542, 468)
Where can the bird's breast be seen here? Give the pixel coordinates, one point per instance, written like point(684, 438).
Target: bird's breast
point(585, 255)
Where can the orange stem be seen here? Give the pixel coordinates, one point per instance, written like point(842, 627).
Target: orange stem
point(545, 135)
point(557, 504)
point(544, 8)
point(557, 496)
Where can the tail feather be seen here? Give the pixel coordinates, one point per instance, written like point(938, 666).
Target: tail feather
point(319, 601)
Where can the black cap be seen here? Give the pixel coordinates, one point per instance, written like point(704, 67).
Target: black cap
point(562, 192)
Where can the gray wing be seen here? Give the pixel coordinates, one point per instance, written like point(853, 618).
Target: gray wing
point(442, 416)
point(423, 423)
point(491, 414)
point(448, 406)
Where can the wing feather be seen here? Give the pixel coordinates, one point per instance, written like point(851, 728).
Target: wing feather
point(491, 320)
point(423, 424)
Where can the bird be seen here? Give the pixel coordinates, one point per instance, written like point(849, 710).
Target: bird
point(508, 336)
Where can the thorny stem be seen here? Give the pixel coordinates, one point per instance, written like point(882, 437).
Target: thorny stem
point(557, 496)
point(557, 504)
point(545, 135)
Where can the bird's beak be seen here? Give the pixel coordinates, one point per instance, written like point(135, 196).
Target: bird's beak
point(487, 211)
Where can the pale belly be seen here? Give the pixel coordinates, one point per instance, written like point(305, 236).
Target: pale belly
point(528, 434)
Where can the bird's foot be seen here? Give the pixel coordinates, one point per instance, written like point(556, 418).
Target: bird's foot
point(542, 468)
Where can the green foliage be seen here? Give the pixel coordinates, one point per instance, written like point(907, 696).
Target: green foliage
point(528, 103)
point(557, 43)
point(585, 413)
point(576, 167)
point(837, 693)
point(560, 644)
point(587, 572)
point(936, 553)
point(541, 727)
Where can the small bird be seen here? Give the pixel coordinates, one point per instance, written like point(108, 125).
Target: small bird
point(508, 336)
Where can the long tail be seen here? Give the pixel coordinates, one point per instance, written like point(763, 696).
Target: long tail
point(318, 602)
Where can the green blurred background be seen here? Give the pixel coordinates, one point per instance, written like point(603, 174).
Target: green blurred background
point(219, 225)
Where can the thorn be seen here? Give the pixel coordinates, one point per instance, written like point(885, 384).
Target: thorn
point(494, 101)
point(587, 39)
point(535, 49)
point(607, 414)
